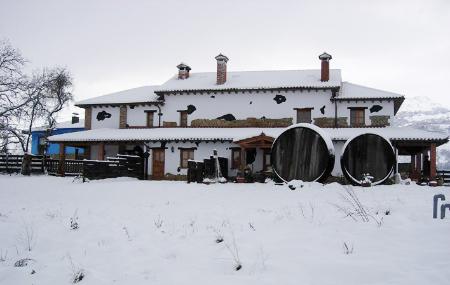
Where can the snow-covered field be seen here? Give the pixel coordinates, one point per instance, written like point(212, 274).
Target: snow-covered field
point(143, 232)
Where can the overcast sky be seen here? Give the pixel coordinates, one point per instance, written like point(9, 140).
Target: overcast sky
point(109, 46)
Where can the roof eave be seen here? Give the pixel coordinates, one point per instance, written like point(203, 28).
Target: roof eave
point(87, 105)
point(209, 90)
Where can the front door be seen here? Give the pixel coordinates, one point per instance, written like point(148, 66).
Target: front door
point(158, 163)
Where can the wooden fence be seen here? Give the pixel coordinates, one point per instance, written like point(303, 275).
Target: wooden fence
point(445, 174)
point(12, 163)
point(72, 167)
point(198, 170)
point(122, 165)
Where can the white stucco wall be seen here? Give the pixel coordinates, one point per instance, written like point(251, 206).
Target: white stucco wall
point(111, 150)
point(112, 122)
point(94, 151)
point(388, 109)
point(338, 148)
point(262, 104)
point(138, 117)
point(204, 150)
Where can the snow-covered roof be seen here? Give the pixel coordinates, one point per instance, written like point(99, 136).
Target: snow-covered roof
point(233, 134)
point(135, 95)
point(253, 80)
point(202, 134)
point(354, 91)
point(62, 125)
point(392, 133)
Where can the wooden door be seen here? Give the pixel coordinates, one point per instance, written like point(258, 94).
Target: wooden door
point(158, 163)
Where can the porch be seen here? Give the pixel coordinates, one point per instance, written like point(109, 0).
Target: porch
point(422, 158)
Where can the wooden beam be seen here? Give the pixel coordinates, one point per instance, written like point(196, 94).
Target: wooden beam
point(419, 162)
point(433, 161)
point(101, 151)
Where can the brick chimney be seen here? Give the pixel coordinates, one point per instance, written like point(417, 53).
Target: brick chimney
point(183, 71)
point(325, 68)
point(221, 69)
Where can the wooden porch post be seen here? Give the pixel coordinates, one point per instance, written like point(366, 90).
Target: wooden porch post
point(101, 151)
point(396, 160)
point(243, 159)
point(433, 161)
point(62, 159)
point(87, 152)
point(419, 163)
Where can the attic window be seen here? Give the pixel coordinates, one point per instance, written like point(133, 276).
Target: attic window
point(304, 115)
point(186, 155)
point(183, 118)
point(357, 117)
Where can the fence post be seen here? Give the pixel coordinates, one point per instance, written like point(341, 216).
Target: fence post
point(7, 163)
point(62, 159)
point(26, 164)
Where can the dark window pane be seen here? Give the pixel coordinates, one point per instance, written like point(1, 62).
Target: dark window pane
point(304, 116)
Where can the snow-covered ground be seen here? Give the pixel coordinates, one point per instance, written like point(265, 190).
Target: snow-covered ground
point(143, 232)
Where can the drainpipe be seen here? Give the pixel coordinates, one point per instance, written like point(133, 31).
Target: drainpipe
point(159, 115)
point(335, 107)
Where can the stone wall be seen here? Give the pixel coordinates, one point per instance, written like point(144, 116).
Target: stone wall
point(87, 118)
point(249, 122)
point(379, 121)
point(169, 124)
point(328, 122)
point(123, 117)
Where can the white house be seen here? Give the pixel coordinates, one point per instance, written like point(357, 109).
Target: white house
point(239, 114)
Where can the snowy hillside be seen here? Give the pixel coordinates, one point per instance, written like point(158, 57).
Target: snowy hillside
point(423, 113)
point(146, 232)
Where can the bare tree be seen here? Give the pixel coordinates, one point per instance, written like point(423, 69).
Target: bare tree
point(26, 101)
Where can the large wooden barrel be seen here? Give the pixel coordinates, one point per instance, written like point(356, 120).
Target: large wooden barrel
point(368, 154)
point(303, 152)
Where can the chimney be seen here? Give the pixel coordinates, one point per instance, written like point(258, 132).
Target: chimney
point(75, 118)
point(183, 71)
point(325, 69)
point(221, 69)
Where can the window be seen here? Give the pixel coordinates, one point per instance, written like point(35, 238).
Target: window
point(304, 115)
point(235, 158)
point(150, 119)
point(185, 155)
point(183, 118)
point(357, 117)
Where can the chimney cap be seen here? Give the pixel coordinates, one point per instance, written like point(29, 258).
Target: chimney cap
point(221, 57)
point(325, 56)
point(183, 66)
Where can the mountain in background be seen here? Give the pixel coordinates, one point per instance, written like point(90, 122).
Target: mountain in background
point(423, 113)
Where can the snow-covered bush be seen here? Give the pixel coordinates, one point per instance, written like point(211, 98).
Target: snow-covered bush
point(125, 229)
point(158, 222)
point(294, 184)
point(74, 222)
point(234, 252)
point(78, 276)
point(367, 179)
point(22, 262)
point(348, 248)
point(27, 237)
point(3, 255)
point(78, 273)
point(354, 209)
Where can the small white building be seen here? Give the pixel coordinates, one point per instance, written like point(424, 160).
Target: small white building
point(239, 114)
